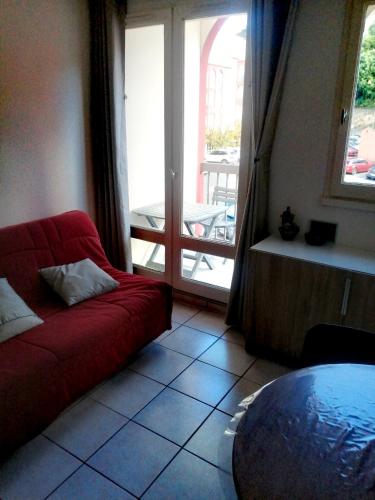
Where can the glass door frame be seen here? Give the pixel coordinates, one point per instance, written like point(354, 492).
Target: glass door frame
point(174, 242)
point(153, 18)
point(182, 242)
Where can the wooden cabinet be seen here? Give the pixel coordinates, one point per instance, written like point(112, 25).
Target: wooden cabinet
point(293, 288)
point(360, 311)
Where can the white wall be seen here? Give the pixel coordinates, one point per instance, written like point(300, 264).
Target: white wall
point(144, 88)
point(300, 155)
point(44, 146)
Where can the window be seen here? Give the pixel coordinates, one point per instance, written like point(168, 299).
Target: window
point(352, 160)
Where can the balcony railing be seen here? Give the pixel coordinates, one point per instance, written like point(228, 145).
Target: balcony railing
point(218, 174)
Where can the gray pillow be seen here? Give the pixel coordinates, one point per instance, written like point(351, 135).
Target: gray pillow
point(15, 316)
point(78, 281)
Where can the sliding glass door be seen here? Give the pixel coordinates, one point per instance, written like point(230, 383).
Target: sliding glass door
point(184, 117)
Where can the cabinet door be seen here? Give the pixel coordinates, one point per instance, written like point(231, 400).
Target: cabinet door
point(361, 303)
point(327, 296)
point(288, 297)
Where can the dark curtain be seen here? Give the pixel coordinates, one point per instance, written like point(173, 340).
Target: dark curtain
point(270, 34)
point(107, 29)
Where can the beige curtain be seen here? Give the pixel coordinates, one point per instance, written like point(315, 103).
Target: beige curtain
point(270, 34)
point(107, 26)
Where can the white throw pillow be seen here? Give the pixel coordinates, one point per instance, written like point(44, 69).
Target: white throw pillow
point(15, 316)
point(78, 281)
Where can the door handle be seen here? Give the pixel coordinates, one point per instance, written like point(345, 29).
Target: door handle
point(345, 298)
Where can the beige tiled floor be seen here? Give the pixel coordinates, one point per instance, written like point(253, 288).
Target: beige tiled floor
point(156, 429)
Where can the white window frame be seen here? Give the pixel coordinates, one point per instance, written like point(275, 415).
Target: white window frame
point(336, 192)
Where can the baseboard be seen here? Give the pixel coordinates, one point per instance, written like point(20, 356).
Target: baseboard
point(200, 302)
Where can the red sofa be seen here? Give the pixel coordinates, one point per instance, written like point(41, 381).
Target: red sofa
point(46, 368)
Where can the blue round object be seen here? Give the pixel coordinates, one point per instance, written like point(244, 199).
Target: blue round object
point(309, 434)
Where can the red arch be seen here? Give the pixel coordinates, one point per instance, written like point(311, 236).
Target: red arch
point(202, 100)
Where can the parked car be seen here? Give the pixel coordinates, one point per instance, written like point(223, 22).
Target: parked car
point(352, 152)
point(357, 166)
point(371, 173)
point(354, 141)
point(221, 156)
point(236, 153)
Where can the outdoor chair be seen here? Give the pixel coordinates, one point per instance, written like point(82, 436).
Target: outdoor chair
point(225, 227)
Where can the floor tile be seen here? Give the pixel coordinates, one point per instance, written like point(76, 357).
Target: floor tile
point(173, 415)
point(167, 332)
point(160, 364)
point(134, 457)
point(182, 312)
point(128, 392)
point(263, 371)
point(235, 336)
point(188, 341)
point(38, 467)
point(214, 441)
point(208, 322)
point(228, 356)
point(86, 484)
point(85, 428)
point(191, 478)
point(205, 382)
point(241, 390)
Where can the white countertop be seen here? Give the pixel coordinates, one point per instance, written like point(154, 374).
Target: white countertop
point(341, 257)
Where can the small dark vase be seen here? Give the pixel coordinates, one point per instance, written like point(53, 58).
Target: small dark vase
point(288, 229)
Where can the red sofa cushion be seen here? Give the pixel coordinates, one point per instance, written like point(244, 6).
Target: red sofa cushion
point(46, 368)
point(26, 248)
point(30, 394)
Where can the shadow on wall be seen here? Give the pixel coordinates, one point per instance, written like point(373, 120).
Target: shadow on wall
point(45, 161)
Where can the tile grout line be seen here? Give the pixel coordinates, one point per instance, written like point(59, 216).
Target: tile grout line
point(66, 479)
point(110, 479)
point(204, 362)
point(191, 453)
point(208, 462)
point(194, 359)
point(181, 447)
point(160, 473)
point(239, 377)
point(97, 471)
point(130, 419)
point(213, 408)
point(85, 462)
point(195, 329)
point(188, 319)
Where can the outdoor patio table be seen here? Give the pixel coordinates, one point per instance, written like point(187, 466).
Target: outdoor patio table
point(193, 213)
point(309, 435)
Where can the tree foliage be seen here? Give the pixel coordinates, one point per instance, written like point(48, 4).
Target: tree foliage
point(365, 96)
point(217, 138)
